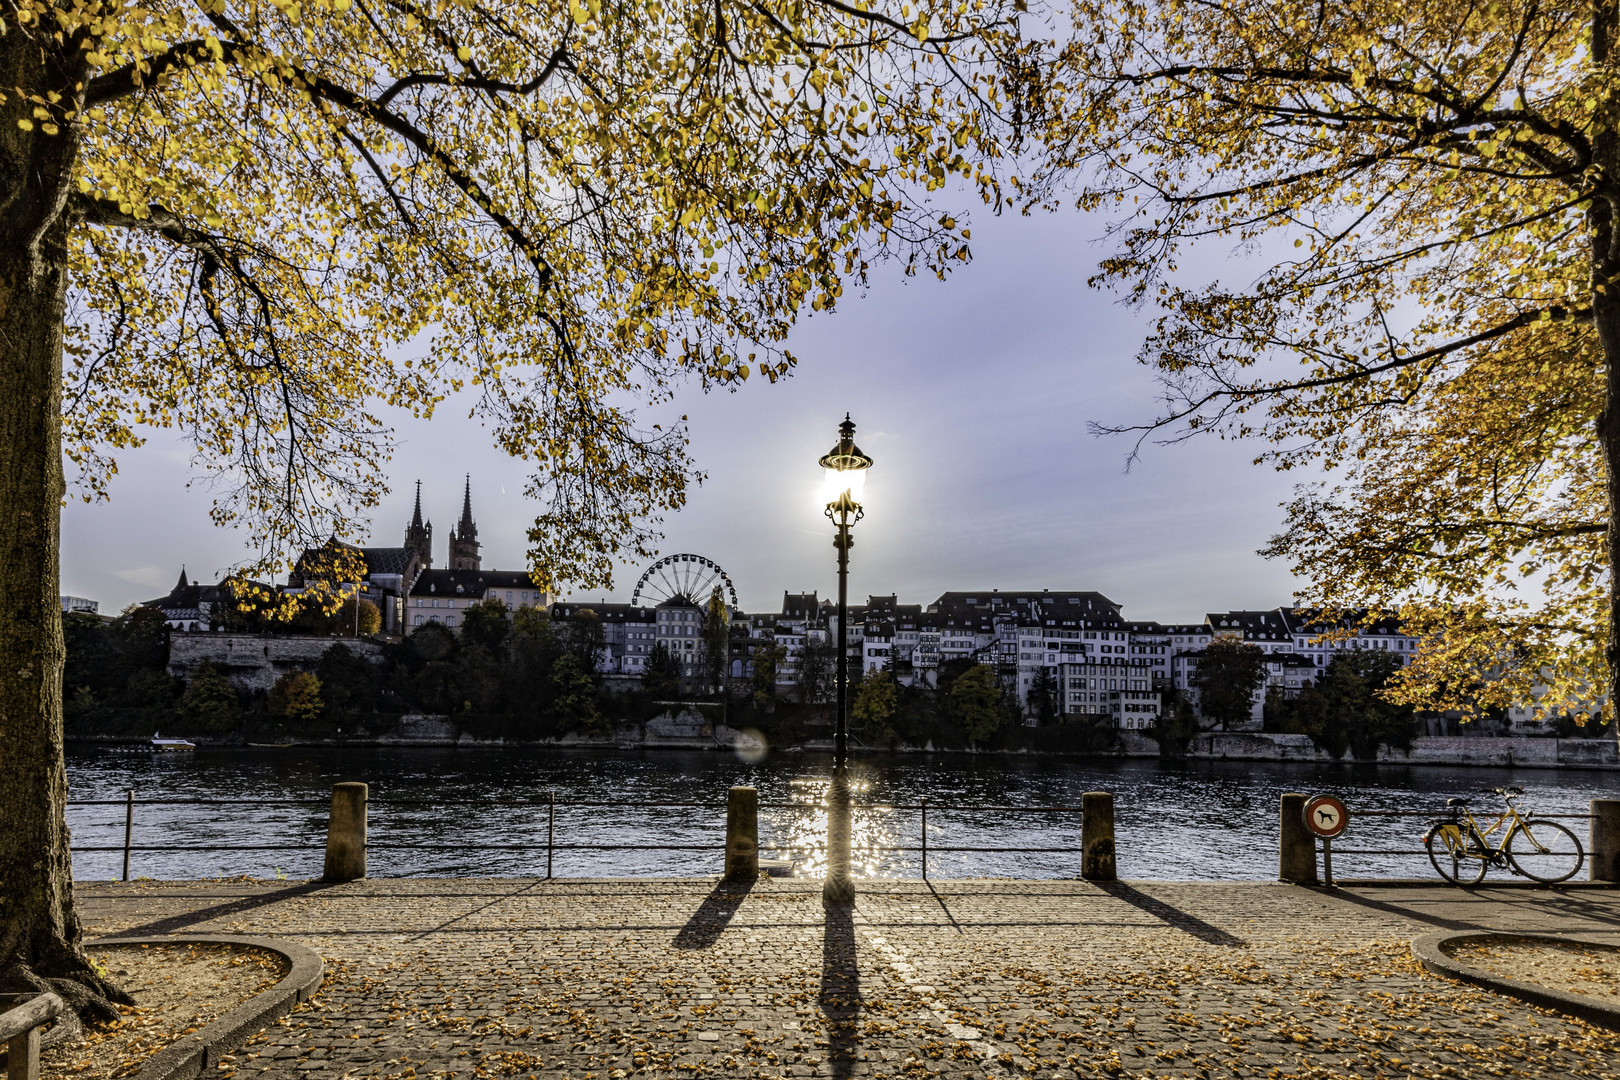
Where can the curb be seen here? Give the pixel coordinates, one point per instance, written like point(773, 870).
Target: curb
point(1430, 951)
point(190, 1055)
point(1439, 883)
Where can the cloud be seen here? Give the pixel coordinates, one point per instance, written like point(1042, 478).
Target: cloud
point(155, 576)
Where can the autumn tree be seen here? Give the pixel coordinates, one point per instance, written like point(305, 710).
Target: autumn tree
point(715, 642)
point(296, 698)
point(586, 639)
point(359, 617)
point(818, 666)
point(348, 684)
point(1355, 713)
point(975, 702)
point(767, 658)
point(262, 224)
point(662, 676)
point(485, 623)
point(1228, 676)
point(875, 705)
point(210, 703)
point(1426, 202)
point(1045, 703)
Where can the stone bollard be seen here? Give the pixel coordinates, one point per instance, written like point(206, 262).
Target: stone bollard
point(346, 834)
point(1097, 836)
point(742, 834)
point(1605, 840)
point(1296, 847)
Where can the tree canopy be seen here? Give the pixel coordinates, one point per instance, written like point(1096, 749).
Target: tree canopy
point(1229, 674)
point(874, 706)
point(284, 216)
point(1346, 711)
point(977, 704)
point(1424, 197)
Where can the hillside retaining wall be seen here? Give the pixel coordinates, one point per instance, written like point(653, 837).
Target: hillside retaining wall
point(255, 661)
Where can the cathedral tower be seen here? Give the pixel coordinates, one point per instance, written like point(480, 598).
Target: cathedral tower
point(419, 535)
point(464, 537)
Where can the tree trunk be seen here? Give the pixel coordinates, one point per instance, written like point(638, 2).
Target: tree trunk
point(1604, 222)
point(40, 939)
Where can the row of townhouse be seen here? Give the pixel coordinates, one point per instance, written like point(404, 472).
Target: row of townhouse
point(1075, 645)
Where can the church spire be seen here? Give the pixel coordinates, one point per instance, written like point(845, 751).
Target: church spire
point(182, 584)
point(464, 537)
point(466, 529)
point(419, 534)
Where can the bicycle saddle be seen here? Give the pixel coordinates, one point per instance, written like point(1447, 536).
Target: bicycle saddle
point(1456, 802)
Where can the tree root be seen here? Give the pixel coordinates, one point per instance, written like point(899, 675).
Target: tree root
point(70, 975)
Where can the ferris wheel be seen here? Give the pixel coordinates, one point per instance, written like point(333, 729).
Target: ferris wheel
point(689, 579)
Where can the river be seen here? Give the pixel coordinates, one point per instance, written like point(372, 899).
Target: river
point(1175, 821)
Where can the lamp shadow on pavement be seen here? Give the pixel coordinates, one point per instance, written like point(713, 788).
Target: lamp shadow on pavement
point(712, 917)
point(840, 998)
point(1173, 916)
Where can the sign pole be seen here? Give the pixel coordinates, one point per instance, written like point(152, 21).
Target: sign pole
point(1327, 817)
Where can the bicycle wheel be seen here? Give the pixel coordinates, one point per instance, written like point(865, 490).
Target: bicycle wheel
point(1546, 851)
point(1451, 854)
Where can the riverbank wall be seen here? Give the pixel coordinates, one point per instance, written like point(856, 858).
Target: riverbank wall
point(1487, 751)
point(691, 730)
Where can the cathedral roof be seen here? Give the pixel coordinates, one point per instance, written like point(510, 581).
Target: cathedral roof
point(388, 560)
point(470, 583)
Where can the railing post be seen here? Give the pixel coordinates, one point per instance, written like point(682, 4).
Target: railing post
point(129, 826)
point(1296, 846)
point(1097, 862)
point(1605, 840)
point(346, 833)
point(551, 831)
point(742, 834)
point(925, 838)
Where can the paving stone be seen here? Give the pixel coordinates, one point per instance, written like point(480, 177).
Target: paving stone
point(611, 979)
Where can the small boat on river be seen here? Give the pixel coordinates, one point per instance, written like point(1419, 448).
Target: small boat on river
point(166, 746)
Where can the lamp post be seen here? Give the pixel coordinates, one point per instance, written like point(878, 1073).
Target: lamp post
point(845, 471)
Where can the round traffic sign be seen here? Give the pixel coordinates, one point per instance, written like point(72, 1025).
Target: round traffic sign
point(1326, 816)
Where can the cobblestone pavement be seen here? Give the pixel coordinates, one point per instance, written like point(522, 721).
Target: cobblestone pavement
point(607, 979)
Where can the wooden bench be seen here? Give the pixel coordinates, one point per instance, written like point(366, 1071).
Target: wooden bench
point(19, 1033)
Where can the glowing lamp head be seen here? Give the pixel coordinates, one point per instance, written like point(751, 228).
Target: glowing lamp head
point(844, 471)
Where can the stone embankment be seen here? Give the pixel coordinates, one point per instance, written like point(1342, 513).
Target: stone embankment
point(1495, 752)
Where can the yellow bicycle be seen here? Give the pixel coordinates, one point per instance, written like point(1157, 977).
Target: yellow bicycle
point(1539, 849)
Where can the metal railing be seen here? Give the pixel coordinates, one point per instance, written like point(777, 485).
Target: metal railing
point(968, 815)
point(552, 845)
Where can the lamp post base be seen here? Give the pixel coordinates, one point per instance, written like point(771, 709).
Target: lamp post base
point(838, 888)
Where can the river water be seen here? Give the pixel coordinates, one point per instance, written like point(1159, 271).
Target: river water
point(1187, 821)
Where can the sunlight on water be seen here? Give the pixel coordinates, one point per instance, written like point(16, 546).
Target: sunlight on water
point(799, 832)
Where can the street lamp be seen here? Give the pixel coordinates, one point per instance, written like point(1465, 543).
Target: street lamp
point(845, 472)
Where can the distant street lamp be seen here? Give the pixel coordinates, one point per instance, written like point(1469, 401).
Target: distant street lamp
point(845, 474)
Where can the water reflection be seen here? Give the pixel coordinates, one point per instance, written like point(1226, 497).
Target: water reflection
point(1193, 821)
point(799, 831)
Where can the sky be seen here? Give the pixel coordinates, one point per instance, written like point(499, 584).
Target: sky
point(973, 397)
